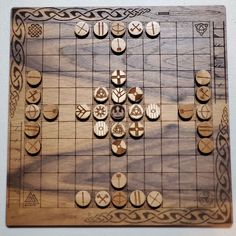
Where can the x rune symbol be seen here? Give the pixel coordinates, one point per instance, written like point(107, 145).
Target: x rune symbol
point(135, 27)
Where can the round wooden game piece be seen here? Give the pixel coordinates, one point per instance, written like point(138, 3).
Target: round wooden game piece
point(136, 129)
point(118, 45)
point(205, 129)
point(32, 129)
point(32, 112)
point(33, 96)
point(119, 147)
point(117, 112)
point(135, 28)
point(100, 29)
point(81, 29)
point(34, 78)
point(118, 95)
point(203, 112)
point(118, 130)
point(135, 94)
point(100, 112)
point(102, 199)
point(50, 112)
point(205, 146)
point(136, 112)
point(119, 199)
point(83, 198)
point(33, 146)
point(100, 129)
point(203, 77)
point(118, 180)
point(186, 111)
point(118, 28)
point(153, 29)
point(154, 199)
point(153, 111)
point(203, 94)
point(82, 111)
point(101, 94)
point(137, 198)
point(118, 77)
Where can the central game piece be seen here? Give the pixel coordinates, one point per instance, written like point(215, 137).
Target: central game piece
point(117, 112)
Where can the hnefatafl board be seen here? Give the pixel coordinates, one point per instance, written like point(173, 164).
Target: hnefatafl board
point(118, 116)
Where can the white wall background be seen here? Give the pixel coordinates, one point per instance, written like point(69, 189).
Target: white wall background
point(5, 7)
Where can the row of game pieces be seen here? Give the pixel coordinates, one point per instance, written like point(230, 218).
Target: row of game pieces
point(117, 112)
point(203, 112)
point(203, 95)
point(118, 45)
point(33, 112)
point(119, 198)
point(118, 29)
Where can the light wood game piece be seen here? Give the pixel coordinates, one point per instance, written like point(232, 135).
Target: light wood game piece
point(119, 199)
point(117, 112)
point(81, 29)
point(118, 28)
point(135, 94)
point(83, 198)
point(118, 180)
point(100, 129)
point(118, 45)
point(34, 78)
point(205, 129)
point(118, 130)
point(203, 94)
point(154, 199)
point(50, 112)
point(33, 146)
point(136, 129)
point(32, 129)
point(203, 77)
point(118, 77)
point(137, 198)
point(32, 112)
point(204, 112)
point(205, 146)
point(119, 147)
point(136, 112)
point(102, 199)
point(101, 94)
point(153, 111)
point(153, 29)
point(135, 28)
point(100, 29)
point(33, 96)
point(100, 112)
point(118, 95)
point(83, 111)
point(186, 111)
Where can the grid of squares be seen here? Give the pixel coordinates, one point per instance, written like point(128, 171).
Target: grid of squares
point(164, 68)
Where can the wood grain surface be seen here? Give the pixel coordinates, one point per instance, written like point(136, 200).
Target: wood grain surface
point(194, 186)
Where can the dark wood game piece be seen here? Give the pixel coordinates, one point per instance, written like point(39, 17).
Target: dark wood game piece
point(117, 112)
point(119, 199)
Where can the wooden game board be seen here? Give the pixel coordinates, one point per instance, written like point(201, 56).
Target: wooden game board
point(196, 189)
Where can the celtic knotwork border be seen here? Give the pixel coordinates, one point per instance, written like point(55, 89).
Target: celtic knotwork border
point(56, 14)
point(184, 216)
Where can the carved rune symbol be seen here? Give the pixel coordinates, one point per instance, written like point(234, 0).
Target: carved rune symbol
point(201, 28)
